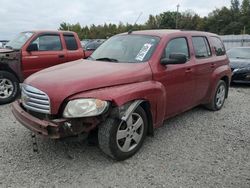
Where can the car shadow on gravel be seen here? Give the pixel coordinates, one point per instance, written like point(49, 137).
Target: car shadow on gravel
point(85, 150)
point(239, 85)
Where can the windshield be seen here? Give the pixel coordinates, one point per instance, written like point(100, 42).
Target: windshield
point(19, 40)
point(239, 53)
point(126, 49)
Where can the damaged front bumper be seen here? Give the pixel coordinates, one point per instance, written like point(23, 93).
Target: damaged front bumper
point(55, 128)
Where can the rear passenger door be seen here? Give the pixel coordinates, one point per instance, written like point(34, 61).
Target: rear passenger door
point(204, 66)
point(49, 53)
point(74, 50)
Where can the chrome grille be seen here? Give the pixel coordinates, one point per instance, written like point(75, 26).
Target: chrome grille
point(35, 100)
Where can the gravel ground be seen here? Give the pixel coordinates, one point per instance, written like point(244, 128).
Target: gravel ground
point(198, 148)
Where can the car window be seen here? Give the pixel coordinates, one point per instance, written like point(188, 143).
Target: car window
point(127, 48)
point(218, 46)
point(239, 53)
point(19, 40)
point(97, 45)
point(177, 45)
point(70, 41)
point(201, 47)
point(91, 46)
point(48, 43)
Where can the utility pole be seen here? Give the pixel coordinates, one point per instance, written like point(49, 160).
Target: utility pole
point(176, 19)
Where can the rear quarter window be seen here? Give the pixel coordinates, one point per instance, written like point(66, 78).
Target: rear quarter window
point(218, 46)
point(70, 41)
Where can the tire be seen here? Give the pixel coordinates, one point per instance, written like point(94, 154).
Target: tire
point(9, 87)
point(125, 146)
point(219, 97)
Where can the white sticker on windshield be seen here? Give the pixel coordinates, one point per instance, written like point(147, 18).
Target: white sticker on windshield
point(143, 52)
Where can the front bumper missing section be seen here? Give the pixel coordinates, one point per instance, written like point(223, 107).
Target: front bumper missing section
point(54, 129)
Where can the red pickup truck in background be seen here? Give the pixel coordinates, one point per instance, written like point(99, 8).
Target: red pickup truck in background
point(33, 51)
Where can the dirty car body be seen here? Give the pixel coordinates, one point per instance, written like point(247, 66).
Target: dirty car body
point(128, 87)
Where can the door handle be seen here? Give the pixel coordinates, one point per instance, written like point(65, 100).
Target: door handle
point(188, 70)
point(61, 56)
point(212, 65)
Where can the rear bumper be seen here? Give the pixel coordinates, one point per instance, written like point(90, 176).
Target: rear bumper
point(54, 129)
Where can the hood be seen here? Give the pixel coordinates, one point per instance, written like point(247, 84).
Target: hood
point(7, 54)
point(239, 63)
point(62, 81)
point(5, 50)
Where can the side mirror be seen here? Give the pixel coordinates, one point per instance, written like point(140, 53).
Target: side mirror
point(174, 58)
point(32, 47)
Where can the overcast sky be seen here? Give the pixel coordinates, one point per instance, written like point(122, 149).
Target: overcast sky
point(22, 15)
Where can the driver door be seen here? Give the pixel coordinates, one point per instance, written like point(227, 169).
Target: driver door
point(49, 53)
point(178, 79)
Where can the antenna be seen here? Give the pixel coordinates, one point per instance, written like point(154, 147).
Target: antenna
point(138, 18)
point(131, 30)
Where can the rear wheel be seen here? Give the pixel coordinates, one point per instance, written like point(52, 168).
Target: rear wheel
point(9, 87)
point(219, 97)
point(120, 140)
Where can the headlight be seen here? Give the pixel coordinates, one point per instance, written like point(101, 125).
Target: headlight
point(84, 108)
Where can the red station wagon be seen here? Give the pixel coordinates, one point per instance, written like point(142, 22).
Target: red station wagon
point(128, 87)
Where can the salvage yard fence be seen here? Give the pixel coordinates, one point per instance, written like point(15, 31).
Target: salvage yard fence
point(231, 41)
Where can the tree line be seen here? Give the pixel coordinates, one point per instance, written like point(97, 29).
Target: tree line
point(223, 21)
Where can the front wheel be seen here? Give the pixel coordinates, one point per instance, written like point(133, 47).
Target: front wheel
point(120, 140)
point(219, 97)
point(9, 87)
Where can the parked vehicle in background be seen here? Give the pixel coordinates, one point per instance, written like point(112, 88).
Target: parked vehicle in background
point(33, 51)
point(240, 64)
point(90, 47)
point(3, 43)
point(128, 87)
point(85, 42)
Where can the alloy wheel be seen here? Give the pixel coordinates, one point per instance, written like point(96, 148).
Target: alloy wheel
point(6, 88)
point(129, 134)
point(220, 96)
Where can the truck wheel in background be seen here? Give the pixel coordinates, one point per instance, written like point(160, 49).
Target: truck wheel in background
point(219, 97)
point(9, 87)
point(120, 140)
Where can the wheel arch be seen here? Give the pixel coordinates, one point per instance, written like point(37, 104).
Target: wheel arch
point(127, 109)
point(221, 73)
point(226, 80)
point(8, 69)
point(146, 107)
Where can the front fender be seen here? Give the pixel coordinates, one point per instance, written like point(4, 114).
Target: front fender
point(151, 91)
point(11, 62)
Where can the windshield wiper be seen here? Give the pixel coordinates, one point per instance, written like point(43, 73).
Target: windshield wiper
point(107, 59)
